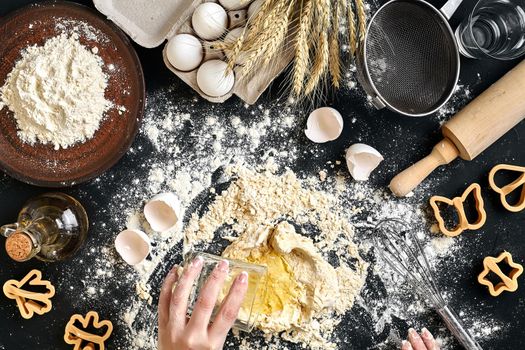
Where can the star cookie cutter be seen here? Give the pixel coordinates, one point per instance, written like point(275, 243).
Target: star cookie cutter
point(508, 283)
point(457, 202)
point(509, 188)
point(30, 303)
point(78, 336)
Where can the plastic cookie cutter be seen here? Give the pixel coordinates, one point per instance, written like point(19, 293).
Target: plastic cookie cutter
point(29, 302)
point(83, 339)
point(458, 203)
point(509, 188)
point(508, 283)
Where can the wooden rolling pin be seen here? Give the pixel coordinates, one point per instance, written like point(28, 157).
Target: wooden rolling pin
point(477, 126)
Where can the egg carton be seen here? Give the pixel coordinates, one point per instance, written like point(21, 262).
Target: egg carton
point(150, 22)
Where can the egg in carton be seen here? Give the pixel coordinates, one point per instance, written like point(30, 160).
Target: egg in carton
point(191, 28)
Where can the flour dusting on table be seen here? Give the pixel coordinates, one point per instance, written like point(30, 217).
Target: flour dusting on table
point(266, 139)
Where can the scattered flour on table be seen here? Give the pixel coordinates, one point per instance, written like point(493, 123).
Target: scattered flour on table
point(56, 92)
point(218, 153)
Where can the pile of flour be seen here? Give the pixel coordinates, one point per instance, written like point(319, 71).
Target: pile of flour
point(56, 92)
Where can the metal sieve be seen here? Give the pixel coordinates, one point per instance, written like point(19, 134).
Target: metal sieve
point(409, 62)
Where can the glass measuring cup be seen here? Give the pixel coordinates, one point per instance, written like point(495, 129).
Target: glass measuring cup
point(256, 286)
point(494, 29)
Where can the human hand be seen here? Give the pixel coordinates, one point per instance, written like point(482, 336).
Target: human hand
point(425, 341)
point(176, 332)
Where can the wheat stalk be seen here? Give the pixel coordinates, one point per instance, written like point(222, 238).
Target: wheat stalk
point(361, 15)
point(352, 38)
point(334, 51)
point(265, 46)
point(320, 63)
point(302, 44)
point(322, 53)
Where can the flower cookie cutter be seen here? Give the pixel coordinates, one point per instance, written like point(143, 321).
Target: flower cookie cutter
point(30, 303)
point(509, 188)
point(77, 336)
point(458, 203)
point(508, 283)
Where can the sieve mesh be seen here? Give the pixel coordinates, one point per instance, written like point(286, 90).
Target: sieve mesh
point(411, 56)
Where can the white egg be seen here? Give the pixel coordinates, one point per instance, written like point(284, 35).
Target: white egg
point(361, 160)
point(323, 125)
point(232, 37)
point(133, 246)
point(209, 20)
point(254, 7)
point(213, 80)
point(184, 52)
point(163, 212)
point(233, 4)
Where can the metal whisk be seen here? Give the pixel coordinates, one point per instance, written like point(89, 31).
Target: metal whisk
point(399, 248)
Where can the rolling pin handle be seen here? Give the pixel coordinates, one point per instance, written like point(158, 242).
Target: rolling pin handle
point(442, 153)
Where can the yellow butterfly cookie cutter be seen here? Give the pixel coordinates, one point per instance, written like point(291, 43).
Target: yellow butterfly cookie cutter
point(30, 303)
point(508, 283)
point(509, 188)
point(77, 336)
point(457, 202)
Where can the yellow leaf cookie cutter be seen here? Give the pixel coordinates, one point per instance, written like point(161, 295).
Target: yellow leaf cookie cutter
point(509, 188)
point(30, 303)
point(457, 202)
point(508, 283)
point(76, 336)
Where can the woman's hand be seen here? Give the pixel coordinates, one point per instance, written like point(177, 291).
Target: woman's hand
point(176, 332)
point(425, 341)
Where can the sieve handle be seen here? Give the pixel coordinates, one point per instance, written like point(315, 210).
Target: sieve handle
point(457, 328)
point(450, 8)
point(404, 182)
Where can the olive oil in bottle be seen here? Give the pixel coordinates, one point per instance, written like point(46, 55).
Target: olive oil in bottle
point(51, 227)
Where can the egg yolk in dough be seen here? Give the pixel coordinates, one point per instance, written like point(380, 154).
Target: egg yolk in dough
point(282, 290)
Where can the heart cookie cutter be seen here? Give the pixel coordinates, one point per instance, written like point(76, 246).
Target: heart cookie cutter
point(509, 188)
point(77, 336)
point(458, 203)
point(30, 303)
point(508, 283)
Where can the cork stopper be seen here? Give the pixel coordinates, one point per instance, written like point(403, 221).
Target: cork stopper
point(19, 246)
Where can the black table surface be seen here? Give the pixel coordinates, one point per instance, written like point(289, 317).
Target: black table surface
point(414, 139)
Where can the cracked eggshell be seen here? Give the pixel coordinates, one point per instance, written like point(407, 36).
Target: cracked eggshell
point(361, 160)
point(133, 246)
point(163, 212)
point(323, 125)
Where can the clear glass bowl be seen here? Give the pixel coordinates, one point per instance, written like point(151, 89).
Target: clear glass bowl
point(256, 287)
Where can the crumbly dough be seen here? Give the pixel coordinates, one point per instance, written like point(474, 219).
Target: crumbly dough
point(300, 283)
point(253, 214)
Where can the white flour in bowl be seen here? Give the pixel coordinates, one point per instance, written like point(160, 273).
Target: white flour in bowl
point(56, 92)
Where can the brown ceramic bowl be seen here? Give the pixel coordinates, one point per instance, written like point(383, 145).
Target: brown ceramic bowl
point(40, 164)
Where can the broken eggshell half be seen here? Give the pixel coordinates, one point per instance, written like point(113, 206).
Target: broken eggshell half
point(163, 212)
point(323, 125)
point(361, 160)
point(133, 246)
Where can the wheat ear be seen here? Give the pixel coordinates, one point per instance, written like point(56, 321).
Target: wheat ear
point(322, 52)
point(302, 54)
point(361, 15)
point(320, 63)
point(267, 42)
point(253, 26)
point(334, 65)
point(352, 38)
